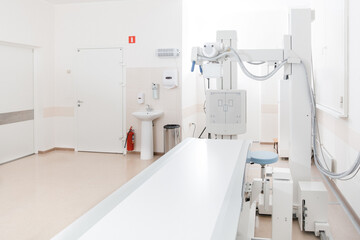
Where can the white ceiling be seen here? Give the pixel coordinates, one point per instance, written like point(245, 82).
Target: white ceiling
point(77, 1)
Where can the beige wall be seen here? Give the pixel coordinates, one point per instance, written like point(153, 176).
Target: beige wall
point(156, 24)
point(140, 80)
point(341, 136)
point(342, 144)
point(191, 115)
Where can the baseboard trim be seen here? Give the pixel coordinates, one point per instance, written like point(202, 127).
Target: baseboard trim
point(46, 151)
point(16, 159)
point(138, 152)
point(73, 149)
point(354, 218)
point(55, 149)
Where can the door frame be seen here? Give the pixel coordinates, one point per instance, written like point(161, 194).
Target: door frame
point(35, 89)
point(123, 105)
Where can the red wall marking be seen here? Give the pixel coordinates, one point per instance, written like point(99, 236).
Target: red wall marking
point(131, 39)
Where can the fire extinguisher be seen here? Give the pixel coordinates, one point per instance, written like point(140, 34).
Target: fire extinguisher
point(130, 140)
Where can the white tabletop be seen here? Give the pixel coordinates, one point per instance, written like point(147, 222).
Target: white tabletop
point(192, 192)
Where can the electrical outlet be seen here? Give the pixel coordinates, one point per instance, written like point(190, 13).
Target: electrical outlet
point(333, 165)
point(341, 102)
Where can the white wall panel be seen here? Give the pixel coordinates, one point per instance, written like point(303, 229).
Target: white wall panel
point(16, 95)
point(16, 78)
point(16, 140)
point(340, 135)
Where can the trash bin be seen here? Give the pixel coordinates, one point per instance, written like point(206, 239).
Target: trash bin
point(171, 136)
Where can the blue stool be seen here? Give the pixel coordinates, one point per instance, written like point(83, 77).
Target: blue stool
point(263, 158)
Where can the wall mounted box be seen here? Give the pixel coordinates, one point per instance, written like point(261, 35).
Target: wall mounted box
point(167, 52)
point(141, 98)
point(170, 78)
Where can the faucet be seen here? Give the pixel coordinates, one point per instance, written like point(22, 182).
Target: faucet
point(148, 108)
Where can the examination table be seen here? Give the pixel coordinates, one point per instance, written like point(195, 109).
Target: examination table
point(195, 191)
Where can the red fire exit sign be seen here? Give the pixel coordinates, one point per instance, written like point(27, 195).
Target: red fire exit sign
point(131, 39)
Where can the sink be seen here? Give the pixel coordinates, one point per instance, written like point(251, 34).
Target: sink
point(147, 116)
point(147, 139)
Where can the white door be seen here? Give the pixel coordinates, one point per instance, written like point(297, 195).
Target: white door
point(99, 76)
point(16, 102)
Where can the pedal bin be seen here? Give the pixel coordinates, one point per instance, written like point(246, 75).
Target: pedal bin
point(171, 136)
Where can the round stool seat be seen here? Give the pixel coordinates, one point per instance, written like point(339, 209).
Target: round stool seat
point(263, 157)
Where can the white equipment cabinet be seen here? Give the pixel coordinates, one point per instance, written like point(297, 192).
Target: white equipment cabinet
point(282, 204)
point(312, 210)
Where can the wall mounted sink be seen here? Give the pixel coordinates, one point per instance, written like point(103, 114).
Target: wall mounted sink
point(147, 140)
point(147, 116)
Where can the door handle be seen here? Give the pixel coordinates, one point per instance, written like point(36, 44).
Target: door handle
point(79, 102)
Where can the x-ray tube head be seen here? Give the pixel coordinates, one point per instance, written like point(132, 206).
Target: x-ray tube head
point(212, 49)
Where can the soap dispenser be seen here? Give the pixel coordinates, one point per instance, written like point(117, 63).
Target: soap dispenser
point(141, 98)
point(155, 90)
